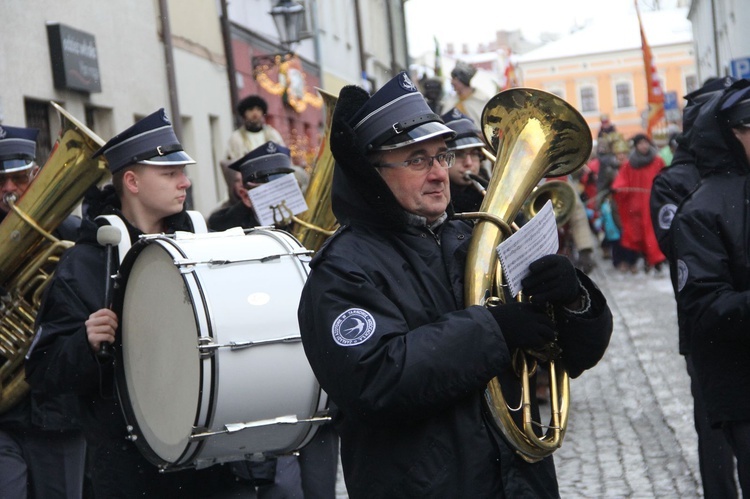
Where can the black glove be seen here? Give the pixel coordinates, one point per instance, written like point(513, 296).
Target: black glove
point(524, 325)
point(552, 280)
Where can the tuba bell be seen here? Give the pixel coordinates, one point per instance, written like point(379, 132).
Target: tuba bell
point(315, 225)
point(28, 250)
point(535, 134)
point(561, 194)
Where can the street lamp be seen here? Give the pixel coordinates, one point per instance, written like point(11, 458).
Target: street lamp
point(288, 17)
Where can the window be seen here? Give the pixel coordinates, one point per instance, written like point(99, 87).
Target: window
point(588, 99)
point(624, 95)
point(37, 116)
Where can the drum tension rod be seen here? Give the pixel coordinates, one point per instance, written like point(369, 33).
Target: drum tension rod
point(281, 420)
point(183, 262)
point(206, 344)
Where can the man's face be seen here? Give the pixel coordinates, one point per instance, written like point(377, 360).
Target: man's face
point(425, 193)
point(467, 161)
point(163, 189)
point(14, 183)
point(643, 146)
point(743, 135)
point(253, 119)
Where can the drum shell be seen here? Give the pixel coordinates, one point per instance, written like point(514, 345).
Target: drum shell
point(173, 305)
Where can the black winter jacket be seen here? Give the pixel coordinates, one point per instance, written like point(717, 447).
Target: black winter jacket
point(711, 242)
point(671, 186)
point(387, 334)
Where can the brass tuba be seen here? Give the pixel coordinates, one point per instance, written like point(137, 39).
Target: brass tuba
point(560, 193)
point(28, 250)
point(316, 224)
point(535, 134)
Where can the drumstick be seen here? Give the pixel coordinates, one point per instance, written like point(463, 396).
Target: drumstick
point(107, 236)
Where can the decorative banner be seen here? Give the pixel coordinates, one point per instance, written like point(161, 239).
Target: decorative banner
point(291, 85)
point(655, 92)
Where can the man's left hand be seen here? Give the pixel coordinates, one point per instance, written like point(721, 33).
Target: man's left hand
point(552, 280)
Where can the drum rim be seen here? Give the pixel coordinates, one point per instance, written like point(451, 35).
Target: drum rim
point(192, 448)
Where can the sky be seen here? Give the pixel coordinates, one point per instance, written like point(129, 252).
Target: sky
point(476, 21)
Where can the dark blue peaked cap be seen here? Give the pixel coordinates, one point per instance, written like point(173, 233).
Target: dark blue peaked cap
point(262, 162)
point(736, 108)
point(150, 141)
point(467, 133)
point(395, 116)
point(17, 148)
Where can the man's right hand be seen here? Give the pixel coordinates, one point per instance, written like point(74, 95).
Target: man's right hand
point(101, 327)
point(524, 325)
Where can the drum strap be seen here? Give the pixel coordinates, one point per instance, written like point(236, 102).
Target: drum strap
point(124, 246)
point(199, 223)
point(196, 219)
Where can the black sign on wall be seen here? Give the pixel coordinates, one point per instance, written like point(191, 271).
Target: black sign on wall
point(74, 62)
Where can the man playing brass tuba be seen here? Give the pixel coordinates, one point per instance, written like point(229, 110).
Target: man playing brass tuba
point(39, 456)
point(384, 324)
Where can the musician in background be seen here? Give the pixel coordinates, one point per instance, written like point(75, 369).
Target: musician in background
point(467, 178)
point(384, 324)
point(261, 165)
point(147, 194)
point(41, 452)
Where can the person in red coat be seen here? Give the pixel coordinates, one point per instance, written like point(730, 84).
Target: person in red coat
point(632, 188)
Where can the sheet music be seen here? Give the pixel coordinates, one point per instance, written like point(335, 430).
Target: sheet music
point(272, 194)
point(538, 237)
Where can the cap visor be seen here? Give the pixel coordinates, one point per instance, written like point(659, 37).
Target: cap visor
point(420, 133)
point(465, 143)
point(173, 158)
point(15, 165)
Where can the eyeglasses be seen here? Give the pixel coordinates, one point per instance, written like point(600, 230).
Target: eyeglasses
point(461, 154)
point(422, 163)
point(19, 178)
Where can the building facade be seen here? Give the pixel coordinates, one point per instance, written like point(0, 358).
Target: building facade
point(721, 47)
point(600, 69)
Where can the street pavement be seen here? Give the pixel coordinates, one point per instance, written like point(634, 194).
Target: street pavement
point(630, 429)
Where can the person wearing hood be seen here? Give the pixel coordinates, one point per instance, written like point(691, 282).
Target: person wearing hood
point(632, 190)
point(670, 187)
point(384, 325)
point(710, 244)
point(147, 196)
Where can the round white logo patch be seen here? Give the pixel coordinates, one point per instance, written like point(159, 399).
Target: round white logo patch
point(666, 214)
point(353, 327)
point(682, 274)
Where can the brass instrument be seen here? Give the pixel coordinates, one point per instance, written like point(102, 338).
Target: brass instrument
point(316, 224)
point(535, 134)
point(477, 182)
point(560, 193)
point(28, 250)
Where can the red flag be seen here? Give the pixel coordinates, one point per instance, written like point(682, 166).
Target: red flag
point(655, 92)
point(510, 73)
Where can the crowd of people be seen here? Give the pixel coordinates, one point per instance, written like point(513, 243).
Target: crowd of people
point(382, 318)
